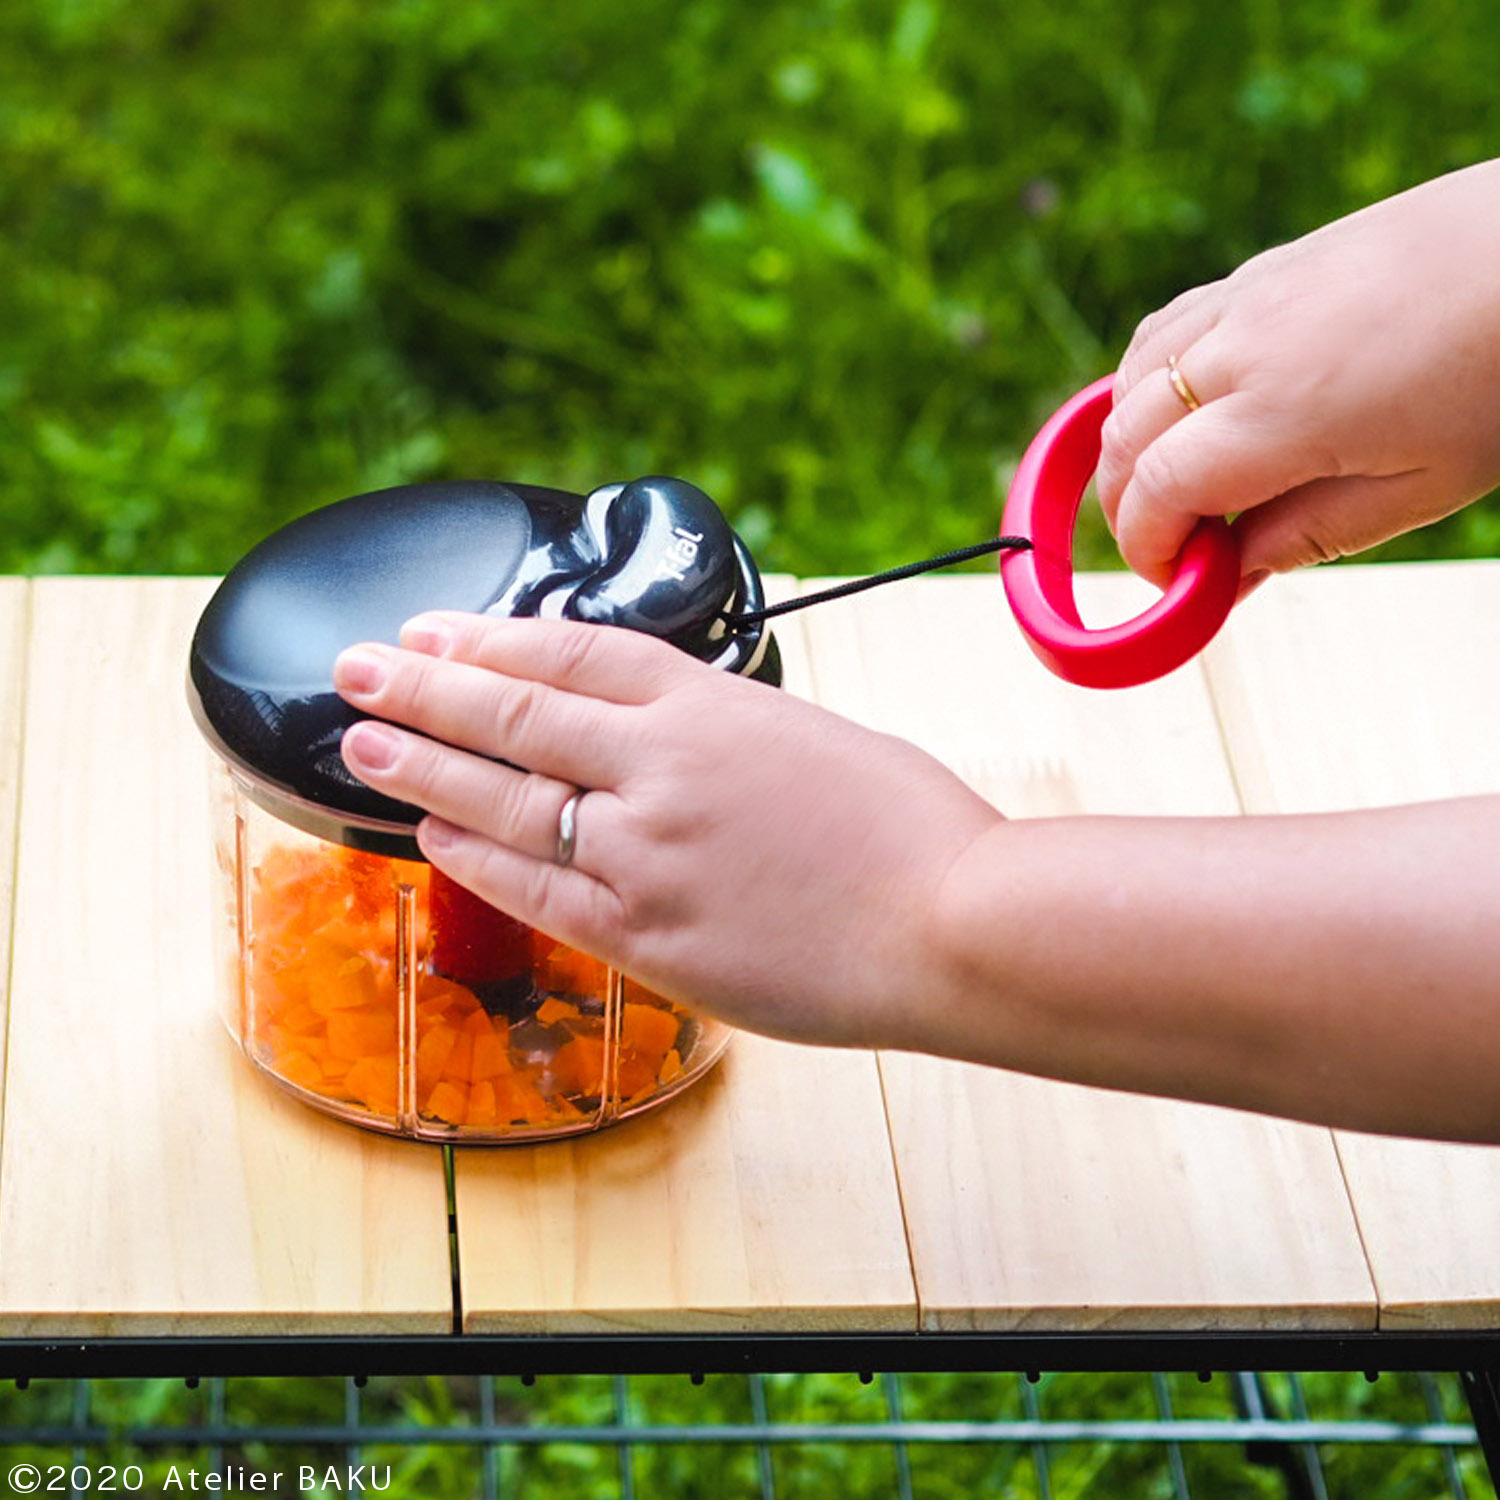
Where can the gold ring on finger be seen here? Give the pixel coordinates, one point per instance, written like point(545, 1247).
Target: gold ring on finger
point(1180, 385)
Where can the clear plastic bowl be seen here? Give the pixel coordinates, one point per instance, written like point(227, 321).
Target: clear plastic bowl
point(378, 991)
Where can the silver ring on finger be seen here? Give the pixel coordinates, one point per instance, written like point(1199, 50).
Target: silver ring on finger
point(567, 831)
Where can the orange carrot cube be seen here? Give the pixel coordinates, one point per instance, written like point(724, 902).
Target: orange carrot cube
point(552, 1010)
point(517, 1101)
point(482, 1104)
point(449, 1102)
point(634, 1077)
point(578, 1067)
point(372, 1080)
point(358, 1033)
point(301, 1069)
point(460, 1065)
point(433, 1051)
point(299, 1016)
point(649, 1031)
point(491, 1057)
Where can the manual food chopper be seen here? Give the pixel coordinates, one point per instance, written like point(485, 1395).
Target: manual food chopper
point(354, 974)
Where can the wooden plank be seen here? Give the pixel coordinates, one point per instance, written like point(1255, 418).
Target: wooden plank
point(14, 601)
point(1038, 1205)
point(1361, 686)
point(150, 1181)
point(763, 1199)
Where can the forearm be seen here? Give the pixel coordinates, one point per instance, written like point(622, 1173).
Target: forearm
point(1342, 968)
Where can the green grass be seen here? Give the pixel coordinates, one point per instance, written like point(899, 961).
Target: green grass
point(564, 1469)
point(834, 260)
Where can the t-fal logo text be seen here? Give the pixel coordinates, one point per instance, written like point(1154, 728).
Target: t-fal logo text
point(682, 553)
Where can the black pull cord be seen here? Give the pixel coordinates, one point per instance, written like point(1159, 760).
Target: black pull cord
point(891, 575)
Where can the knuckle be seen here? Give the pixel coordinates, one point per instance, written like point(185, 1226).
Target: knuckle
point(536, 884)
point(514, 709)
point(421, 768)
point(1114, 467)
point(415, 685)
point(647, 893)
point(648, 909)
point(1155, 475)
point(577, 650)
point(494, 879)
point(1315, 544)
point(1148, 329)
point(1111, 447)
point(607, 919)
point(506, 800)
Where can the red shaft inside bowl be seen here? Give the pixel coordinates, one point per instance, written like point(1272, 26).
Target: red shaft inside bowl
point(472, 942)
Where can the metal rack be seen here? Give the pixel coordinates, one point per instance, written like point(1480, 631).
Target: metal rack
point(764, 1436)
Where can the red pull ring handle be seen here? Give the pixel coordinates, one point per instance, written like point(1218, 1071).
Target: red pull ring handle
point(1043, 505)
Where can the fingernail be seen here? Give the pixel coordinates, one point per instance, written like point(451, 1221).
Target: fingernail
point(1250, 582)
point(427, 633)
point(373, 747)
point(360, 670)
point(433, 833)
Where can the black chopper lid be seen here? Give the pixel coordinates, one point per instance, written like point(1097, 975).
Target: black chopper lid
point(654, 555)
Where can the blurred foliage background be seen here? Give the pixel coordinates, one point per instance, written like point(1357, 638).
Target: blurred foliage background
point(834, 260)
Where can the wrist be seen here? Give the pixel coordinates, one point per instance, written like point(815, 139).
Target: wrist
point(966, 1003)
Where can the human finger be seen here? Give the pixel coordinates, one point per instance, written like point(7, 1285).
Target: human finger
point(519, 809)
point(525, 722)
point(1337, 517)
point(566, 903)
point(1171, 330)
point(1228, 458)
point(1148, 409)
point(600, 661)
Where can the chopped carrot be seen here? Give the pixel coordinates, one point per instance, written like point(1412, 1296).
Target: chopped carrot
point(649, 1031)
point(554, 1009)
point(491, 1057)
point(301, 1069)
point(356, 1033)
point(633, 1076)
point(578, 1066)
point(436, 993)
point(448, 1102)
point(433, 1051)
point(372, 1080)
point(566, 969)
point(460, 1065)
point(323, 1005)
point(335, 1076)
point(517, 1101)
point(299, 1017)
point(563, 1111)
point(481, 1105)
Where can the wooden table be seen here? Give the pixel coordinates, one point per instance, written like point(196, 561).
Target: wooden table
point(159, 1202)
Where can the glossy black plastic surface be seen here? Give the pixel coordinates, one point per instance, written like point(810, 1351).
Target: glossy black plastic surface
point(654, 555)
